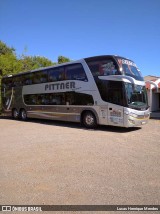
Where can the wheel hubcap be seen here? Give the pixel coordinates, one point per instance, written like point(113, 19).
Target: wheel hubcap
point(89, 119)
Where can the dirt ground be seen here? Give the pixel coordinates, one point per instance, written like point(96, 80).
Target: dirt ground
point(58, 163)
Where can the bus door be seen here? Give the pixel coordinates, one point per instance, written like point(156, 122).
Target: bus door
point(115, 103)
point(115, 115)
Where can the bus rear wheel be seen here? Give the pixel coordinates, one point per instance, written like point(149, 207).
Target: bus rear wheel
point(89, 120)
point(23, 114)
point(15, 113)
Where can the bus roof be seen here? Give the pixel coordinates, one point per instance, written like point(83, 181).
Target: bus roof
point(41, 69)
point(63, 64)
point(103, 56)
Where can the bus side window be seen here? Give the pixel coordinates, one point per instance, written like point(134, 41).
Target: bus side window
point(27, 79)
point(57, 99)
point(44, 76)
point(115, 93)
point(56, 74)
point(40, 77)
point(108, 68)
point(75, 72)
point(70, 98)
point(103, 67)
point(94, 67)
point(17, 81)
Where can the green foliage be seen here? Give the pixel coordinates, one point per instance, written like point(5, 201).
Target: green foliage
point(8, 61)
point(11, 64)
point(62, 59)
point(34, 62)
point(4, 49)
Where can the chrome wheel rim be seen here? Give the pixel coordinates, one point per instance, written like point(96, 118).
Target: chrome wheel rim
point(89, 120)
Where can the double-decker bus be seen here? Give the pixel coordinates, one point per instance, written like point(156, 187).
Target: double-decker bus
point(105, 90)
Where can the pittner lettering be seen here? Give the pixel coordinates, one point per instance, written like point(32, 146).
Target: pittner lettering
point(60, 86)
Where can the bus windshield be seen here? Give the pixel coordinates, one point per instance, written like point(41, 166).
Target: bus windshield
point(129, 68)
point(136, 96)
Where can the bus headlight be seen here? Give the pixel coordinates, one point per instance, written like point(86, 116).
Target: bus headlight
point(131, 121)
point(133, 115)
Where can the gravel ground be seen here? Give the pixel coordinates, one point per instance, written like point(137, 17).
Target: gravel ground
point(48, 162)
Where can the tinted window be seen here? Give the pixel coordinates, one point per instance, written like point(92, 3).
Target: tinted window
point(27, 79)
point(57, 99)
point(30, 99)
point(79, 99)
point(75, 72)
point(103, 89)
point(42, 99)
point(17, 81)
point(129, 68)
point(83, 99)
point(56, 74)
point(70, 98)
point(45, 99)
point(111, 91)
point(103, 67)
point(40, 77)
point(115, 93)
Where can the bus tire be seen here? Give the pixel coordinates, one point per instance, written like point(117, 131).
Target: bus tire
point(23, 114)
point(89, 120)
point(15, 114)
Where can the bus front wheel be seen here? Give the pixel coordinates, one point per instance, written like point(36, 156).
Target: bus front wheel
point(89, 120)
point(23, 114)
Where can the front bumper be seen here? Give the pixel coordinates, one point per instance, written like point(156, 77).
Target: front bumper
point(132, 119)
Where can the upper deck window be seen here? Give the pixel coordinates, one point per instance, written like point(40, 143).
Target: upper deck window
point(75, 72)
point(40, 77)
point(129, 68)
point(68, 72)
point(17, 81)
point(27, 79)
point(56, 74)
point(103, 67)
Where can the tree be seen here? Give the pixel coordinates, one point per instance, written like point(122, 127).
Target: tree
point(63, 59)
point(4, 49)
point(11, 64)
point(34, 62)
point(8, 60)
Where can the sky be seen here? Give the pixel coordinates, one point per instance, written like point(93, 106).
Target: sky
point(84, 28)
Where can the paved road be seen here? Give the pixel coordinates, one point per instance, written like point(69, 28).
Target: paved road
point(46, 162)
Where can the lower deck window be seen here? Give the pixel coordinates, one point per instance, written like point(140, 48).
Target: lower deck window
point(70, 98)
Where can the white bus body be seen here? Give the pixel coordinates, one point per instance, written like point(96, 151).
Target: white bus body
point(93, 91)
